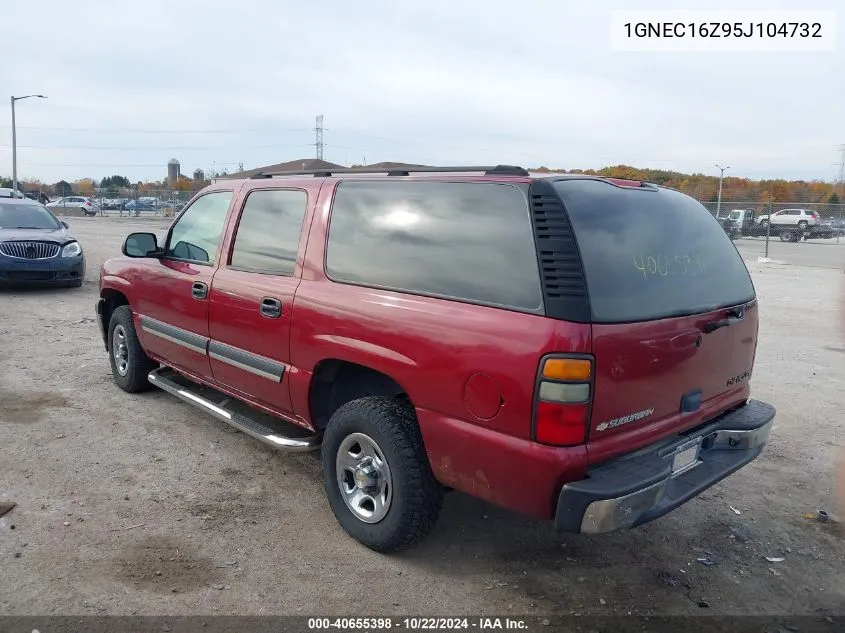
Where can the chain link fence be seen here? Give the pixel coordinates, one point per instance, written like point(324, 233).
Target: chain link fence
point(784, 221)
point(123, 203)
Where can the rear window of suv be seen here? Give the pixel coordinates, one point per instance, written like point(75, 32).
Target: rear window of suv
point(465, 241)
point(651, 253)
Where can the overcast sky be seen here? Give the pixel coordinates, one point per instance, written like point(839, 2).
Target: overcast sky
point(458, 81)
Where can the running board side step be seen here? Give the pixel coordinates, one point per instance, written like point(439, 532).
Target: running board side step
point(187, 391)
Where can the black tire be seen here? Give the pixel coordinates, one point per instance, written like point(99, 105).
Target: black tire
point(417, 497)
point(138, 364)
point(787, 236)
point(764, 224)
point(802, 225)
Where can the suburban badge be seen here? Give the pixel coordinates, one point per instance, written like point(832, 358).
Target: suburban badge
point(625, 419)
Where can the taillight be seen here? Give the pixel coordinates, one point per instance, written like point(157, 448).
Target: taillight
point(563, 399)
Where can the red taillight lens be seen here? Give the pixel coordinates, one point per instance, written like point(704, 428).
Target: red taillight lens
point(563, 397)
point(561, 424)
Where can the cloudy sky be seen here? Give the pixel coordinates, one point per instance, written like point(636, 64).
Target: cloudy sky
point(528, 82)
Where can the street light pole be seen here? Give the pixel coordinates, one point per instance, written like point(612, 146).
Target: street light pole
point(15, 143)
point(719, 198)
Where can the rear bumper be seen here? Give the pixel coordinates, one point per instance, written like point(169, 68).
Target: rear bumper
point(640, 487)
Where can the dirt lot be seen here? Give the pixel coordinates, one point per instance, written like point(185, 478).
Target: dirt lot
point(140, 504)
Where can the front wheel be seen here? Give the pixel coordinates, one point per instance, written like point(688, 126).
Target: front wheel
point(378, 481)
point(129, 364)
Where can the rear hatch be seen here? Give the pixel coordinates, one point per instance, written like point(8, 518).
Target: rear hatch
point(672, 308)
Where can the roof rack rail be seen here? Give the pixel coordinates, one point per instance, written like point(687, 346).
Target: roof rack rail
point(496, 170)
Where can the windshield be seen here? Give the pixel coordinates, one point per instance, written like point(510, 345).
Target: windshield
point(736, 215)
point(26, 216)
point(651, 253)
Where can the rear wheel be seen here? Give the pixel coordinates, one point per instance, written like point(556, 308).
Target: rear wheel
point(377, 477)
point(129, 364)
point(803, 225)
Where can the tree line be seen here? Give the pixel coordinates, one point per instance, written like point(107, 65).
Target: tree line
point(116, 185)
point(706, 188)
point(700, 186)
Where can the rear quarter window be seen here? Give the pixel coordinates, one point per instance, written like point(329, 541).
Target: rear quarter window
point(466, 241)
point(651, 253)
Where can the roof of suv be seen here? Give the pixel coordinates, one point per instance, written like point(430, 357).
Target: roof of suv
point(507, 172)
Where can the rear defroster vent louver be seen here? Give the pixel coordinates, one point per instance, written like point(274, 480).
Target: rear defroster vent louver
point(561, 271)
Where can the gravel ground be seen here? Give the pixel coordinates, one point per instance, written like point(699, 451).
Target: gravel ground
point(140, 504)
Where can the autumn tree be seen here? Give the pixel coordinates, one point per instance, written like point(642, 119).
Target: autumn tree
point(85, 186)
point(182, 184)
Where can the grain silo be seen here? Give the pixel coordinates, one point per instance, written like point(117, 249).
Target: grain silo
point(172, 171)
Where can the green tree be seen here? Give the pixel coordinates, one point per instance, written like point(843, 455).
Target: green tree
point(63, 188)
point(115, 182)
point(834, 198)
point(5, 182)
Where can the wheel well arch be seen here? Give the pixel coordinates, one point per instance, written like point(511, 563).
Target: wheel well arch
point(336, 382)
point(112, 299)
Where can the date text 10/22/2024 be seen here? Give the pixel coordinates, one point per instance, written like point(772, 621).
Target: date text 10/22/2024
point(417, 624)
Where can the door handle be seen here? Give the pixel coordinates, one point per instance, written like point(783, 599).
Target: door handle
point(199, 290)
point(271, 307)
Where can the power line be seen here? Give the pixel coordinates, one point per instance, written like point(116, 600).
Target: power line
point(156, 148)
point(155, 131)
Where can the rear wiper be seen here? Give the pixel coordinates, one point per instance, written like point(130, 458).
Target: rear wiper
point(737, 315)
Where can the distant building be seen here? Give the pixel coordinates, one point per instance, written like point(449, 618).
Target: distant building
point(294, 165)
point(172, 172)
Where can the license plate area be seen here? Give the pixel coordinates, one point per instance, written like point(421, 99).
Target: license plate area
point(685, 457)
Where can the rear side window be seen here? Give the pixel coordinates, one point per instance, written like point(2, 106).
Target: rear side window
point(651, 254)
point(464, 241)
point(267, 238)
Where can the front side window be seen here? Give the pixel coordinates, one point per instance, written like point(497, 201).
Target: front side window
point(463, 241)
point(197, 233)
point(267, 237)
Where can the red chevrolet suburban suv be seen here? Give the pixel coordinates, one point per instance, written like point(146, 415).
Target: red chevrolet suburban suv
point(573, 348)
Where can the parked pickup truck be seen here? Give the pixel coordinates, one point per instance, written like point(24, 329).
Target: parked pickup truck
point(574, 348)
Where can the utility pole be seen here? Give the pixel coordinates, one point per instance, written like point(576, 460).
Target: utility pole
point(721, 177)
point(319, 137)
point(12, 99)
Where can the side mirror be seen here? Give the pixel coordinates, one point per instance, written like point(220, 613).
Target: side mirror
point(141, 245)
point(65, 224)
